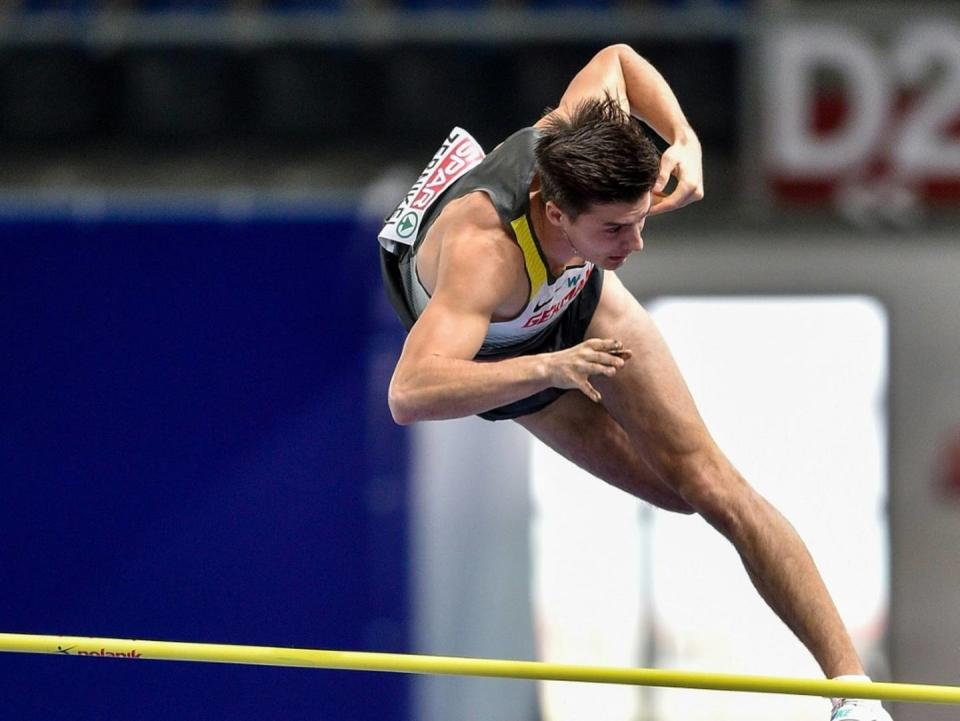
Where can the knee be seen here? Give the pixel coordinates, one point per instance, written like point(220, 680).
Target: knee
point(681, 507)
point(709, 485)
point(649, 487)
point(670, 501)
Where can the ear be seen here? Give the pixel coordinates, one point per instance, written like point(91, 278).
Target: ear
point(554, 214)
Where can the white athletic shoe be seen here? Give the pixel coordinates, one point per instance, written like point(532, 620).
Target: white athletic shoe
point(850, 709)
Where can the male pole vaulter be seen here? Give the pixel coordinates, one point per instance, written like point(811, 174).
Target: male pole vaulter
point(503, 269)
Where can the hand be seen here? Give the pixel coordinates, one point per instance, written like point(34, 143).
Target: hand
point(572, 368)
point(850, 709)
point(684, 160)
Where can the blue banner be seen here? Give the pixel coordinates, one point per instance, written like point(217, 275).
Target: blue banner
point(195, 445)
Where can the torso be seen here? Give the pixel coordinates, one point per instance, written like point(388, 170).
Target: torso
point(487, 220)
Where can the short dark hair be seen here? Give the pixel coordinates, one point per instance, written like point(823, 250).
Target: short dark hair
point(597, 154)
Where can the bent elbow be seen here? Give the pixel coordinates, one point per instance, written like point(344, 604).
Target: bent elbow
point(401, 418)
point(401, 408)
point(618, 48)
point(399, 411)
point(622, 52)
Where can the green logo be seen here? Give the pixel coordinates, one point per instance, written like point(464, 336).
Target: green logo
point(407, 224)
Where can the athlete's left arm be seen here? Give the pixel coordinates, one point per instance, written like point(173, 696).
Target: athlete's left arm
point(619, 71)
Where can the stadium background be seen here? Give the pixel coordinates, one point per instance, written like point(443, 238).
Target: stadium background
point(194, 349)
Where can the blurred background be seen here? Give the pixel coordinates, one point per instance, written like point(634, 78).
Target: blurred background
point(195, 350)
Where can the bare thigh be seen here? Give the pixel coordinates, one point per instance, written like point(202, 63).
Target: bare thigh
point(648, 396)
point(586, 434)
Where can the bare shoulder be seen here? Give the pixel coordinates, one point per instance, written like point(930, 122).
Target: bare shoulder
point(473, 257)
point(478, 254)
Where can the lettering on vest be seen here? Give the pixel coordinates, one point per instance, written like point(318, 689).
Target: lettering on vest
point(557, 306)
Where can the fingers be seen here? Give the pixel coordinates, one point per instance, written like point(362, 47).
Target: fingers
point(593, 357)
point(609, 352)
point(683, 161)
point(609, 358)
point(684, 194)
point(607, 345)
point(667, 165)
point(604, 362)
point(590, 392)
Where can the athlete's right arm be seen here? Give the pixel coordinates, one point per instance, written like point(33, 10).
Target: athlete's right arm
point(436, 376)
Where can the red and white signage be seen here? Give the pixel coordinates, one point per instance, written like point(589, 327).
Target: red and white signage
point(843, 109)
point(459, 153)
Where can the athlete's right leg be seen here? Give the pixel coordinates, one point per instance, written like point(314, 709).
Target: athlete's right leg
point(586, 434)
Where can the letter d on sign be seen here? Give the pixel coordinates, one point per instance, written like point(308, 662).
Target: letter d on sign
point(793, 54)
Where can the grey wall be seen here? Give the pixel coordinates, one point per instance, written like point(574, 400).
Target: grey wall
point(471, 565)
point(918, 280)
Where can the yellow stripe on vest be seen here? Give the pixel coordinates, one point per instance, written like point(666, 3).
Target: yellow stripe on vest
point(536, 270)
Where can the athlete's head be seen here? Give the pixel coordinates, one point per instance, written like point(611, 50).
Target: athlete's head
point(597, 168)
point(598, 154)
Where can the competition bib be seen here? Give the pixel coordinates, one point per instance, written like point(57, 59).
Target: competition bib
point(458, 154)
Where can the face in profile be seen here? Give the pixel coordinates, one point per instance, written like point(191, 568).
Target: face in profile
point(607, 233)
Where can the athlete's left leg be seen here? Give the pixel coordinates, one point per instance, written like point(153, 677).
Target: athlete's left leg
point(584, 432)
point(650, 400)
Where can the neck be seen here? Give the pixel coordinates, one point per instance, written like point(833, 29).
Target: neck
point(554, 242)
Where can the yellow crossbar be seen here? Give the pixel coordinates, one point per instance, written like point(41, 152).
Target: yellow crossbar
point(409, 663)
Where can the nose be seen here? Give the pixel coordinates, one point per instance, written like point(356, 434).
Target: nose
point(636, 239)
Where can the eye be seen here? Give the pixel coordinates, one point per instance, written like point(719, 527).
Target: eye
point(613, 230)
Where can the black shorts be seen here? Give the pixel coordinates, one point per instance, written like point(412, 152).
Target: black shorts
point(569, 330)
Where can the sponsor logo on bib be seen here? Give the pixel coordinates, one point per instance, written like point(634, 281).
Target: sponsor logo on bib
point(458, 154)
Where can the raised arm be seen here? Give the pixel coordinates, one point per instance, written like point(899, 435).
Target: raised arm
point(619, 71)
point(436, 376)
